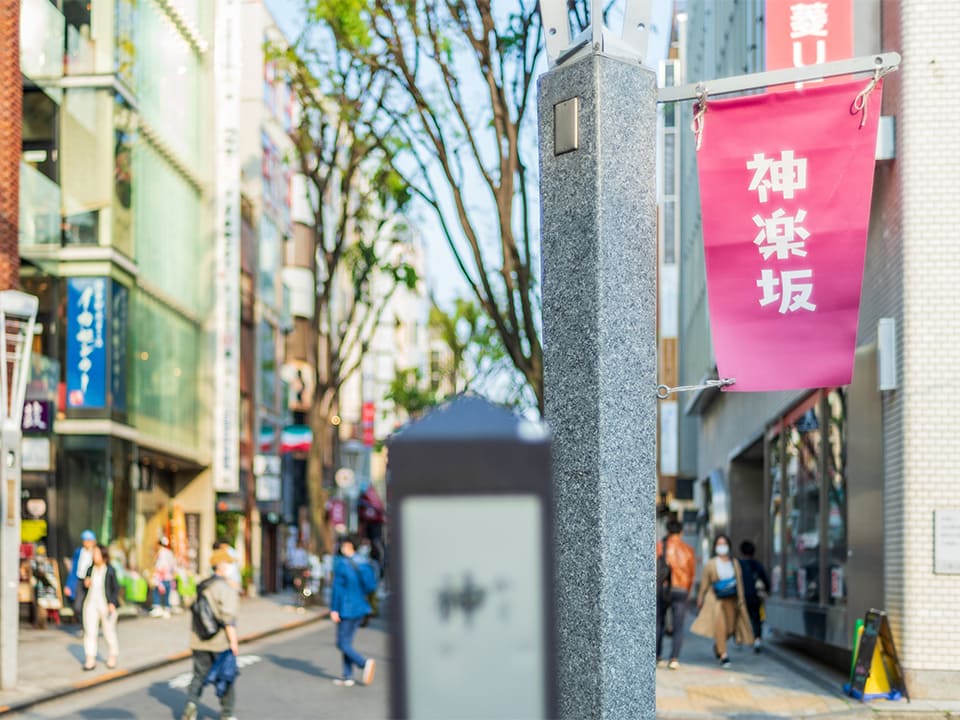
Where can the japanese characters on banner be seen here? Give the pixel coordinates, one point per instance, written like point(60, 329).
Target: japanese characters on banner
point(86, 342)
point(785, 185)
point(808, 33)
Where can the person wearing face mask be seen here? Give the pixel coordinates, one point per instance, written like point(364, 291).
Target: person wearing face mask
point(721, 601)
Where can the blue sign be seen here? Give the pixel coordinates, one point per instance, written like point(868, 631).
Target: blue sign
point(86, 342)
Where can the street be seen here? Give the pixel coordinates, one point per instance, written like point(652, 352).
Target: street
point(288, 675)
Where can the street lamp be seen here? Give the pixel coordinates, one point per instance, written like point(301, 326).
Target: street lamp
point(18, 312)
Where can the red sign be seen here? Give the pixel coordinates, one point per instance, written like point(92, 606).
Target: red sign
point(808, 33)
point(368, 414)
point(785, 185)
point(338, 512)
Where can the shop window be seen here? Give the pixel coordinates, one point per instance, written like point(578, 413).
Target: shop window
point(806, 467)
point(836, 488)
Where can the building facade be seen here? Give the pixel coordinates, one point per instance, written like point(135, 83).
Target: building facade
point(120, 373)
point(848, 490)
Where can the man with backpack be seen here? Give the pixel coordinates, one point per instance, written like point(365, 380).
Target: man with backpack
point(213, 632)
point(681, 562)
point(353, 579)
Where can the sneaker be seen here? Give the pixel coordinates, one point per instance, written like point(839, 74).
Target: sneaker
point(156, 611)
point(725, 661)
point(661, 663)
point(344, 682)
point(368, 670)
point(757, 645)
point(166, 613)
point(674, 664)
point(190, 711)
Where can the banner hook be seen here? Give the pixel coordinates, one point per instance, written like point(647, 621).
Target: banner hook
point(700, 112)
point(665, 391)
point(860, 101)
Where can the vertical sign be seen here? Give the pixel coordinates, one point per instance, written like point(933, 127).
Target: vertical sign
point(368, 415)
point(86, 342)
point(120, 301)
point(808, 33)
point(226, 471)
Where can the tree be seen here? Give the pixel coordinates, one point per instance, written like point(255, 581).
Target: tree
point(11, 99)
point(458, 95)
point(357, 200)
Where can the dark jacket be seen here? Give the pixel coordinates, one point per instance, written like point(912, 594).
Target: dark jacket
point(111, 588)
point(348, 597)
point(753, 572)
point(223, 672)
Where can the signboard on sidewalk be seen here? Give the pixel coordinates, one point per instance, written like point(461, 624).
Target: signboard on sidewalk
point(786, 181)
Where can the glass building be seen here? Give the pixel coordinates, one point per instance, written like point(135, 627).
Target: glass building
point(117, 244)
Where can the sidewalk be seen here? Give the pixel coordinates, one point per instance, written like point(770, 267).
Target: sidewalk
point(51, 660)
point(776, 683)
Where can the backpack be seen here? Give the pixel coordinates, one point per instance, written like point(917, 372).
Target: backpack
point(664, 576)
point(206, 624)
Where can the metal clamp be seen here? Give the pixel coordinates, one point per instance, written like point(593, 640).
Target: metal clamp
point(665, 391)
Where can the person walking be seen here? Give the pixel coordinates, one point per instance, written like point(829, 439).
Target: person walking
point(164, 574)
point(99, 601)
point(682, 561)
point(353, 579)
point(81, 562)
point(223, 600)
point(721, 602)
point(756, 586)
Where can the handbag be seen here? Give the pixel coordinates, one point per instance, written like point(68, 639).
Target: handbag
point(725, 588)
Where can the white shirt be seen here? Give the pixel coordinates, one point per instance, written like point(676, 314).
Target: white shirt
point(724, 568)
point(97, 592)
point(84, 561)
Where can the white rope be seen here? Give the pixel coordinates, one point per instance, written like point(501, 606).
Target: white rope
point(700, 114)
point(860, 103)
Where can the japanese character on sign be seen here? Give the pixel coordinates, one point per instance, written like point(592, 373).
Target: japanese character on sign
point(784, 176)
point(779, 234)
point(793, 295)
point(33, 416)
point(808, 20)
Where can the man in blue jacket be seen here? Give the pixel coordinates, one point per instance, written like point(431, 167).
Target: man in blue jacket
point(353, 579)
point(81, 562)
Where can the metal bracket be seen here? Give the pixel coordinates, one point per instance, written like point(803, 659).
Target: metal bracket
point(755, 81)
point(665, 391)
point(630, 45)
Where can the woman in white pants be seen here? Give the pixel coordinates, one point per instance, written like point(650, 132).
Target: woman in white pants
point(100, 608)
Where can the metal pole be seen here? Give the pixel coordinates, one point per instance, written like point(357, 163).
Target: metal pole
point(598, 205)
point(756, 81)
point(18, 311)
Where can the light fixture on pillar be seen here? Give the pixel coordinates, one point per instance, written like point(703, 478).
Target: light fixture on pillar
point(887, 369)
point(597, 37)
point(18, 313)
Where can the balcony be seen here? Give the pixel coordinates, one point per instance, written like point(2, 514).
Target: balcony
point(39, 209)
point(42, 29)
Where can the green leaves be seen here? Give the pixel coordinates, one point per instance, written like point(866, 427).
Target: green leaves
point(350, 21)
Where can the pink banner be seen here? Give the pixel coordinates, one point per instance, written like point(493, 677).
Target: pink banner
point(785, 185)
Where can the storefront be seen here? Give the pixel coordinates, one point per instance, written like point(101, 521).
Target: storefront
point(823, 524)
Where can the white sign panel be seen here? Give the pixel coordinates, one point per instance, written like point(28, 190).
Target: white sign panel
point(227, 57)
point(946, 542)
point(669, 450)
point(35, 453)
point(269, 488)
point(473, 607)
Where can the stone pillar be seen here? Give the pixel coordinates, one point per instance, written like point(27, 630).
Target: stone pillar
point(599, 250)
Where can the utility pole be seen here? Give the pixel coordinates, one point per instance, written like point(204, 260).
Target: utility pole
point(598, 203)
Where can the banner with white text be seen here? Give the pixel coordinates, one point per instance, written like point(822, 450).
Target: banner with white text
point(785, 183)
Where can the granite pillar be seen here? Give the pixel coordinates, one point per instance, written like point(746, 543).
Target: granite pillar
point(599, 250)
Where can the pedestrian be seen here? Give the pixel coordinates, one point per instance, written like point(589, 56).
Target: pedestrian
point(353, 579)
point(682, 561)
point(81, 562)
point(164, 574)
point(99, 600)
point(756, 586)
point(223, 599)
point(721, 602)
